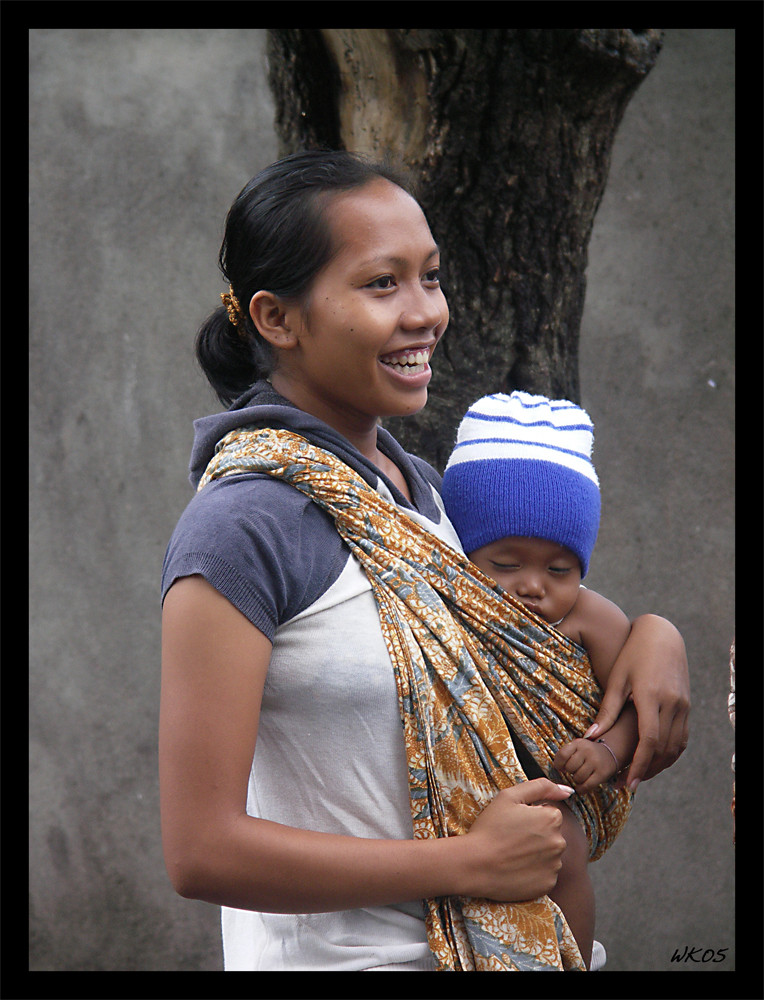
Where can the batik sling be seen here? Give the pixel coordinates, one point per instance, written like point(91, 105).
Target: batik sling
point(470, 662)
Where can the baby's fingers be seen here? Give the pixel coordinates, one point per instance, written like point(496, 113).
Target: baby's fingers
point(563, 756)
point(570, 754)
point(573, 761)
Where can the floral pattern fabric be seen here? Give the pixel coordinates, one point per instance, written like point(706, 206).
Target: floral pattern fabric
point(470, 663)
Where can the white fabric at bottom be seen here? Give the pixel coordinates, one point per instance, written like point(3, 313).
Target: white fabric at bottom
point(599, 957)
point(424, 964)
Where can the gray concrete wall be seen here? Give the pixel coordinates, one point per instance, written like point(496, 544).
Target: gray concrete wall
point(140, 138)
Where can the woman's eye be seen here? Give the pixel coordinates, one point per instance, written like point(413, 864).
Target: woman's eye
point(433, 276)
point(385, 281)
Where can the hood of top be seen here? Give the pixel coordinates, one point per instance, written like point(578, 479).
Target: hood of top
point(262, 406)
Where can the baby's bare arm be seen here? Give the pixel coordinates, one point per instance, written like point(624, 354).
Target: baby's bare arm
point(588, 763)
point(603, 629)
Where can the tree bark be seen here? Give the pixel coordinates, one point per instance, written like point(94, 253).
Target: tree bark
point(508, 135)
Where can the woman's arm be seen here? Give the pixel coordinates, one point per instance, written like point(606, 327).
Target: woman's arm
point(652, 671)
point(214, 664)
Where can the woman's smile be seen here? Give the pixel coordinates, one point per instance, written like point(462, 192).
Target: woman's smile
point(409, 364)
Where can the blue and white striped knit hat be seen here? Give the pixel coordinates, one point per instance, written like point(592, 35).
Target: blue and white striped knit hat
point(522, 466)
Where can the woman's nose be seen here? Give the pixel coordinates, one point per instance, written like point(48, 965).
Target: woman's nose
point(425, 308)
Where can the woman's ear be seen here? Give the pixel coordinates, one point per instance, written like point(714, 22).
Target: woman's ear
point(273, 319)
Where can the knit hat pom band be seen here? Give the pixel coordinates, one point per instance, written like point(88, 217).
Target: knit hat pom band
point(522, 466)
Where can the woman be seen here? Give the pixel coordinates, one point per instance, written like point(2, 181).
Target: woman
point(272, 635)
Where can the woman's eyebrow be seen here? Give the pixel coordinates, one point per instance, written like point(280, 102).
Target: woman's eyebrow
point(395, 259)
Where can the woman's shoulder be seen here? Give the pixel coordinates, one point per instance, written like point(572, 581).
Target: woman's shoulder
point(251, 503)
point(258, 541)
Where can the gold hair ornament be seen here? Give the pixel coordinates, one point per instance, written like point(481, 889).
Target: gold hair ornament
point(233, 308)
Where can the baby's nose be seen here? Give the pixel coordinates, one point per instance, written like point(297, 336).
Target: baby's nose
point(530, 585)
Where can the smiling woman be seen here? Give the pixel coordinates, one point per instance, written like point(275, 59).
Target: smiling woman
point(298, 784)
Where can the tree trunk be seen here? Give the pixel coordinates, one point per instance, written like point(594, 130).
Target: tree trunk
point(508, 135)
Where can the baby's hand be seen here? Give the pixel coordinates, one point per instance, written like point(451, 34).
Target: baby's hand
point(586, 763)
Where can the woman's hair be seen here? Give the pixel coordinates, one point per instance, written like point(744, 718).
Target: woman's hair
point(277, 238)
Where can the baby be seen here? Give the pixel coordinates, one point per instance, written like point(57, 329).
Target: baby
point(522, 493)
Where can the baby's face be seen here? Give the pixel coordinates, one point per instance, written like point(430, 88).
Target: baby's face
point(543, 575)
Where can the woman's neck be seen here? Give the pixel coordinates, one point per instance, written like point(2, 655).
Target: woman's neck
point(361, 432)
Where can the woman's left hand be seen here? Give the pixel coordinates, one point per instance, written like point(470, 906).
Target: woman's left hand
point(652, 672)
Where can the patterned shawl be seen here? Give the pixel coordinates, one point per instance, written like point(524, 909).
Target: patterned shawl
point(470, 662)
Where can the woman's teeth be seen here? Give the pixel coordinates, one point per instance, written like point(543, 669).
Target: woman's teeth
point(410, 362)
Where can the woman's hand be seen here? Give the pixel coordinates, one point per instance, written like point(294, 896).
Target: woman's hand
point(652, 672)
point(515, 844)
